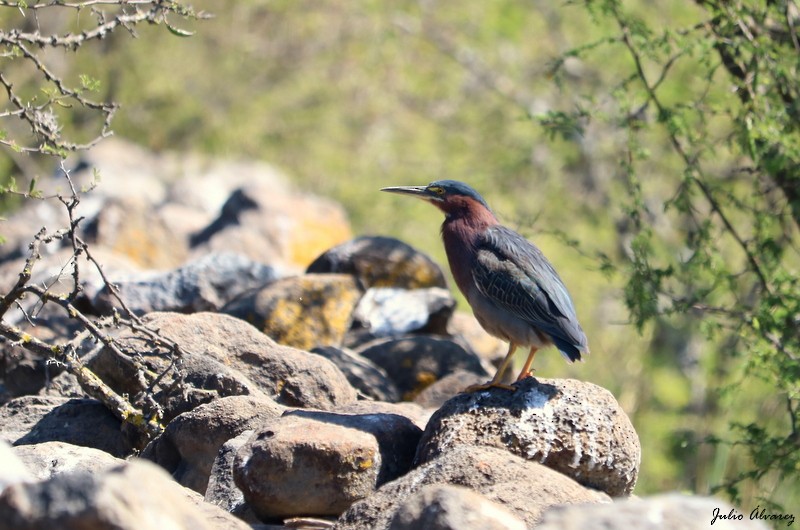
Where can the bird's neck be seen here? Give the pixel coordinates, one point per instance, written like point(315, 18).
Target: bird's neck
point(461, 234)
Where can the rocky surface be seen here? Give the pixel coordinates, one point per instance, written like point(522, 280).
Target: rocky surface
point(301, 311)
point(204, 284)
point(672, 511)
point(344, 456)
point(526, 488)
point(447, 507)
point(191, 441)
point(378, 261)
point(247, 276)
point(221, 356)
point(369, 379)
point(134, 496)
point(85, 422)
point(574, 427)
point(416, 362)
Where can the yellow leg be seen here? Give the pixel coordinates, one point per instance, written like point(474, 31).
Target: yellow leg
point(498, 376)
point(526, 369)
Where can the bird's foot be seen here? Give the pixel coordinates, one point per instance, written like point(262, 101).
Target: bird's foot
point(525, 374)
point(486, 386)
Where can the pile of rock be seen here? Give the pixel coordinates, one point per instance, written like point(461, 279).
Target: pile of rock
point(308, 398)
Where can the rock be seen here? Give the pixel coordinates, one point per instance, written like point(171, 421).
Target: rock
point(270, 226)
point(207, 183)
point(12, 468)
point(63, 385)
point(134, 229)
point(301, 311)
point(122, 169)
point(379, 261)
point(222, 356)
point(416, 414)
point(467, 331)
point(55, 272)
point(47, 459)
point(205, 284)
point(447, 507)
point(190, 443)
point(319, 463)
point(573, 427)
point(222, 490)
point(135, 496)
point(524, 487)
point(671, 511)
point(84, 422)
point(448, 386)
point(365, 376)
point(389, 311)
point(417, 362)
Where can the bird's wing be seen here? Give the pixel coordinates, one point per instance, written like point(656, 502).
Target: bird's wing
point(515, 274)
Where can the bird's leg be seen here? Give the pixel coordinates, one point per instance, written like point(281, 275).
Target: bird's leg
point(498, 376)
point(526, 369)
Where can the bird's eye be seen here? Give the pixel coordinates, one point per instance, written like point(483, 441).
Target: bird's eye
point(438, 190)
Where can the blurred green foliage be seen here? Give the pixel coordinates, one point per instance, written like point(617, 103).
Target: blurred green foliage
point(620, 137)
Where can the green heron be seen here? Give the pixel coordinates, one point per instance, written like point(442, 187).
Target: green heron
point(515, 293)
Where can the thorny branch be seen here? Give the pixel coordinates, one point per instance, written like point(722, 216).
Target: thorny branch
point(20, 48)
point(145, 418)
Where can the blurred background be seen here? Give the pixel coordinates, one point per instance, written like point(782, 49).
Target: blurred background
point(616, 135)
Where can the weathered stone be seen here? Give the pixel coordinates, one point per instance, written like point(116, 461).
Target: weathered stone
point(379, 261)
point(574, 427)
point(134, 229)
point(448, 507)
point(222, 490)
point(222, 356)
point(301, 311)
point(135, 496)
point(365, 376)
point(416, 362)
point(390, 311)
point(205, 284)
point(270, 226)
point(467, 331)
point(415, 413)
point(318, 463)
point(12, 468)
point(671, 511)
point(448, 386)
point(191, 441)
point(524, 487)
point(47, 459)
point(84, 422)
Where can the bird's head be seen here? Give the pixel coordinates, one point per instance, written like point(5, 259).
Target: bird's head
point(454, 198)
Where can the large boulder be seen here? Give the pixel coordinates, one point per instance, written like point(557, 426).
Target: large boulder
point(274, 226)
point(137, 495)
point(301, 311)
point(48, 459)
point(319, 463)
point(205, 284)
point(379, 261)
point(573, 427)
point(85, 422)
point(189, 445)
point(416, 362)
point(448, 507)
point(220, 356)
point(526, 488)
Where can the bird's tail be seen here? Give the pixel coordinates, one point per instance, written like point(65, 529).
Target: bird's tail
point(572, 352)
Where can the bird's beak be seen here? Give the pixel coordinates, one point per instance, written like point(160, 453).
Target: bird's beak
point(420, 192)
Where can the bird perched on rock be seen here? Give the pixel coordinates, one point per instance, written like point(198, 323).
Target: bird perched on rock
point(515, 293)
